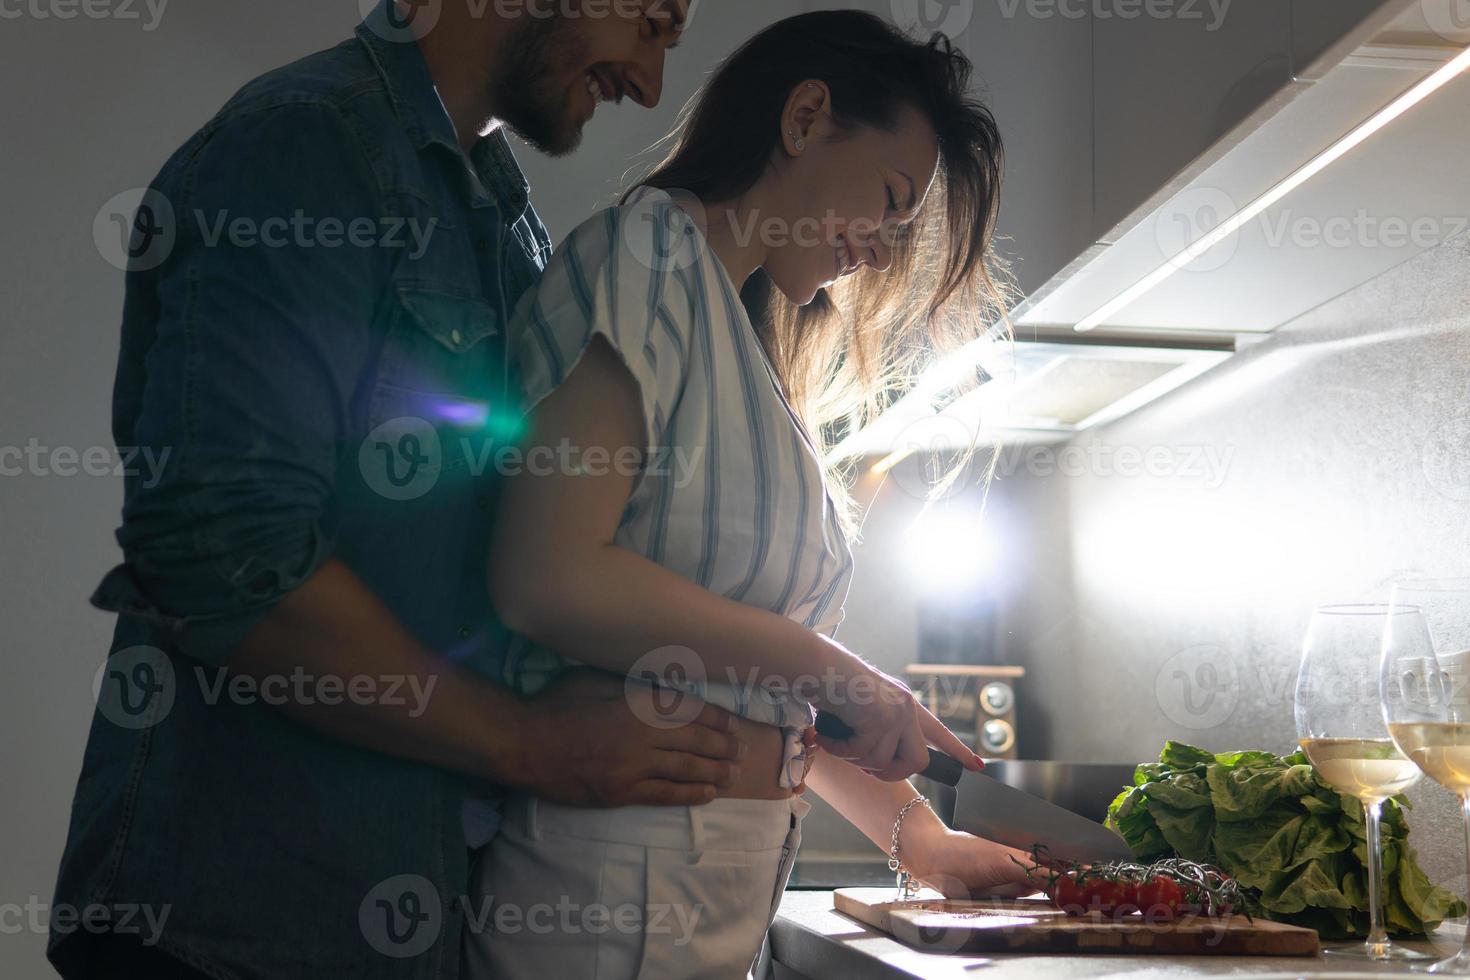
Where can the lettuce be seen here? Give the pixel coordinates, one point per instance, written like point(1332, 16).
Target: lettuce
point(1296, 845)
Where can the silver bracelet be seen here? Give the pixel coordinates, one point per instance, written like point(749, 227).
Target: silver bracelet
point(908, 885)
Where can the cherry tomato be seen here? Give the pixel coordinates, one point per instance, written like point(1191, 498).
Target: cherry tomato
point(1161, 899)
point(1066, 894)
point(1103, 895)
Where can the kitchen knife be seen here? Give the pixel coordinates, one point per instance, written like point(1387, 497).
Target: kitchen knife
point(987, 807)
point(942, 768)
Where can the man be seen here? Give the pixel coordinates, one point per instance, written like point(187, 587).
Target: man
point(298, 735)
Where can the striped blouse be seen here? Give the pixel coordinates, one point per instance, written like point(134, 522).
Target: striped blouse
point(732, 494)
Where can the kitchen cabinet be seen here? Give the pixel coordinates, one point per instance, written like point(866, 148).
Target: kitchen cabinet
point(1102, 104)
point(1317, 26)
point(1166, 88)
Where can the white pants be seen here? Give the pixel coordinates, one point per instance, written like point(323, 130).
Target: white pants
point(656, 893)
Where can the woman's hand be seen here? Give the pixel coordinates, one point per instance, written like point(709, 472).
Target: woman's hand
point(960, 865)
point(892, 731)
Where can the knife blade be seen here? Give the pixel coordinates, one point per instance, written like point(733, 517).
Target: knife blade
point(942, 767)
point(987, 807)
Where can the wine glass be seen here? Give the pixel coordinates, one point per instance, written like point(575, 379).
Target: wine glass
point(1342, 731)
point(1424, 699)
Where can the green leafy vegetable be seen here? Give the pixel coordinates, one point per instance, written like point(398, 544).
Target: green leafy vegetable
point(1296, 846)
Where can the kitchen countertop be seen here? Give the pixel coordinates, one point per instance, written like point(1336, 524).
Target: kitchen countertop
point(811, 941)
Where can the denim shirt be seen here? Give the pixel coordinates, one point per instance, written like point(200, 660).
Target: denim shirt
point(313, 344)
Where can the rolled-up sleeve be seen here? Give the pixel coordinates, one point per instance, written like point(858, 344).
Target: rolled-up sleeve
point(242, 355)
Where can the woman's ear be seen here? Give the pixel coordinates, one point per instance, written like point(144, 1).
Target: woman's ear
point(809, 104)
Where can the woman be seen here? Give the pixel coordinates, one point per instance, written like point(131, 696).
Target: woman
point(845, 164)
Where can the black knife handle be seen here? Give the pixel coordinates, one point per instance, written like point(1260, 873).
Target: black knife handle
point(942, 768)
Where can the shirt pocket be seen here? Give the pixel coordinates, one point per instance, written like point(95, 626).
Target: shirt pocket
point(438, 402)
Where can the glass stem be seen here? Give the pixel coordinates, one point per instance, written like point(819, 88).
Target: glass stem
point(1377, 934)
point(1465, 805)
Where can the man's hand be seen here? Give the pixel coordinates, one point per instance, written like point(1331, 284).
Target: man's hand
point(581, 742)
point(587, 744)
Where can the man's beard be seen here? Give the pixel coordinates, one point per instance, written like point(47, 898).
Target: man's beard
point(530, 91)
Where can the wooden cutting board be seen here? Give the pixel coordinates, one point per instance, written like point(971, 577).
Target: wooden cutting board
point(1035, 926)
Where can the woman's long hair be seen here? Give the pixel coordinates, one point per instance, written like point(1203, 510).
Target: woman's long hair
point(842, 358)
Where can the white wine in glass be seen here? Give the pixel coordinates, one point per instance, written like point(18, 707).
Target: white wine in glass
point(1365, 768)
point(1343, 732)
point(1423, 692)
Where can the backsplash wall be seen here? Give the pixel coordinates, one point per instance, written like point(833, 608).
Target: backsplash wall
point(1317, 466)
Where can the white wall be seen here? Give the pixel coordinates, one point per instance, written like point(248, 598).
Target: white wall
point(93, 108)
